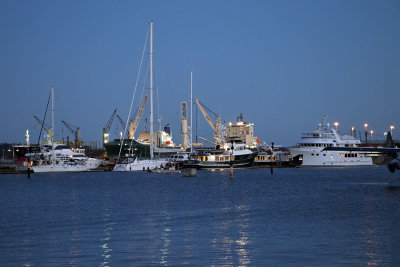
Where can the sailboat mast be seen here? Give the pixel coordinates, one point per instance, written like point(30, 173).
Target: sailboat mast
point(191, 110)
point(151, 89)
point(52, 124)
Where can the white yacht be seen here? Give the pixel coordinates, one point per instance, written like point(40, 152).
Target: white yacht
point(309, 151)
point(59, 158)
point(63, 159)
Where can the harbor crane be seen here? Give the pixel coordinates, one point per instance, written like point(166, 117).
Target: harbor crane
point(75, 131)
point(134, 125)
point(216, 126)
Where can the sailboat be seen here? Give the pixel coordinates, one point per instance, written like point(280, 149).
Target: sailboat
point(59, 158)
point(132, 163)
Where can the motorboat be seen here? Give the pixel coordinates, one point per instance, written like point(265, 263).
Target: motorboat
point(309, 151)
point(234, 154)
point(58, 157)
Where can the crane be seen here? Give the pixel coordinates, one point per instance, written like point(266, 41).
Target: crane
point(76, 132)
point(133, 126)
point(217, 126)
point(107, 128)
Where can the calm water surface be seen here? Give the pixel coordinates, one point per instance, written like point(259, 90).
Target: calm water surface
point(296, 217)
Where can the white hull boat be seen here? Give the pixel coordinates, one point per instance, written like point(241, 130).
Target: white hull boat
point(135, 164)
point(309, 151)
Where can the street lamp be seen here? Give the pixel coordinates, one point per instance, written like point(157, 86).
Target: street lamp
point(366, 133)
point(391, 129)
point(336, 124)
point(371, 132)
point(353, 130)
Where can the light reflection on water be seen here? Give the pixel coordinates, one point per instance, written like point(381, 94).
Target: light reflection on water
point(165, 241)
point(293, 218)
point(105, 241)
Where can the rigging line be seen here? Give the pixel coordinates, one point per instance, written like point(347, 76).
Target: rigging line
point(41, 128)
point(134, 92)
point(141, 97)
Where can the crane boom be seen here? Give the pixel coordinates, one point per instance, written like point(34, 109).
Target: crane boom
point(121, 122)
point(202, 109)
point(41, 123)
point(133, 126)
point(108, 126)
point(75, 132)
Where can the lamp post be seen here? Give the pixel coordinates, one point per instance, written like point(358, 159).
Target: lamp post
point(336, 124)
point(371, 132)
point(353, 131)
point(391, 129)
point(366, 133)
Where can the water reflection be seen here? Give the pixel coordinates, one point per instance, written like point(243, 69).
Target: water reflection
point(105, 241)
point(74, 250)
point(165, 240)
point(235, 223)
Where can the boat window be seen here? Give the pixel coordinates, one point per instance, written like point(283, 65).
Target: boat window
point(312, 154)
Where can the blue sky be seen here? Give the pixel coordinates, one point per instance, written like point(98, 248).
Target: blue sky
point(283, 64)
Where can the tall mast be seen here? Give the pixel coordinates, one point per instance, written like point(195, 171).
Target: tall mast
point(52, 115)
point(52, 124)
point(151, 89)
point(191, 111)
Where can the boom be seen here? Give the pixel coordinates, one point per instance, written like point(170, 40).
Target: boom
point(219, 131)
point(121, 122)
point(202, 109)
point(41, 123)
point(75, 132)
point(133, 126)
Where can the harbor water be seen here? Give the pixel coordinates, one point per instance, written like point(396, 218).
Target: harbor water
point(295, 217)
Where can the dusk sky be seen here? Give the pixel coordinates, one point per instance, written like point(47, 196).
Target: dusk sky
point(283, 64)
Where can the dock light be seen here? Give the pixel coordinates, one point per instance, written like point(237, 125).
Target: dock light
point(391, 129)
point(366, 133)
point(371, 132)
point(336, 124)
point(353, 129)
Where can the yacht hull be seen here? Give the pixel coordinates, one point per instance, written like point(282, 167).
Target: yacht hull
point(141, 165)
point(319, 158)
